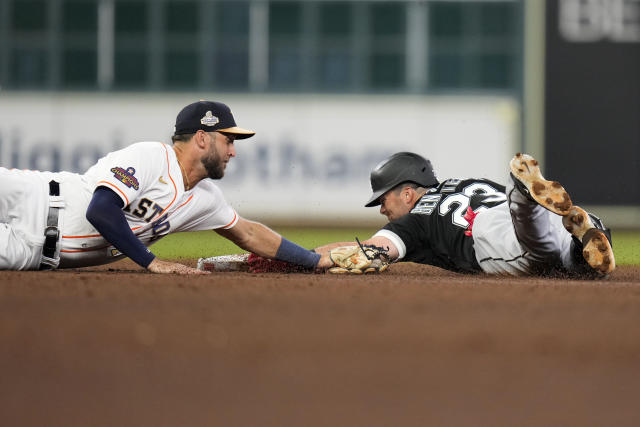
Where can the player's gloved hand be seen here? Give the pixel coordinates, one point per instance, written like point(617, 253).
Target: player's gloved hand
point(160, 266)
point(358, 259)
point(258, 264)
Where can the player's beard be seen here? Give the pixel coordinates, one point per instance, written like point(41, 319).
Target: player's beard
point(213, 164)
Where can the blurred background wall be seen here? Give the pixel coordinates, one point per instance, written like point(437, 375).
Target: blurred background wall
point(332, 88)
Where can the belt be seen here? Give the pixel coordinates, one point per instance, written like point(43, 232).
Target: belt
point(52, 232)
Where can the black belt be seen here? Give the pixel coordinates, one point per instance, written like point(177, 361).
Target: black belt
point(51, 232)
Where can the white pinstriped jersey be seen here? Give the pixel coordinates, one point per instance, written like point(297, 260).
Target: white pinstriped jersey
point(148, 179)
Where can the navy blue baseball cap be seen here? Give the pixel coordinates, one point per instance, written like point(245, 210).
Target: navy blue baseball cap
point(208, 116)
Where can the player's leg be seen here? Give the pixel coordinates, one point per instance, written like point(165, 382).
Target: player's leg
point(530, 196)
point(539, 233)
point(16, 252)
point(498, 250)
point(23, 204)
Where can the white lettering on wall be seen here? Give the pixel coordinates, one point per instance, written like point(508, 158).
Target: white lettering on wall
point(583, 21)
point(310, 159)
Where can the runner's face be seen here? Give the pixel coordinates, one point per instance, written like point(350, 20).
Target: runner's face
point(394, 205)
point(221, 149)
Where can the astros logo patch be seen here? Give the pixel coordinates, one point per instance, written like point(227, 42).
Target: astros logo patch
point(126, 176)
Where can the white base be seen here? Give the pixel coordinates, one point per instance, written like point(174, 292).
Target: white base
point(236, 262)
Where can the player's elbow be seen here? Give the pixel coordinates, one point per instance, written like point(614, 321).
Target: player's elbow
point(103, 206)
point(246, 234)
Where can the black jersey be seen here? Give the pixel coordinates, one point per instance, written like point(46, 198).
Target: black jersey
point(434, 231)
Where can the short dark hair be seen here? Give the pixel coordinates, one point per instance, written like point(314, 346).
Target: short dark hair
point(182, 138)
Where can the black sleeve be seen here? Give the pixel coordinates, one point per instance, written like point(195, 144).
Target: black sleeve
point(105, 214)
point(410, 230)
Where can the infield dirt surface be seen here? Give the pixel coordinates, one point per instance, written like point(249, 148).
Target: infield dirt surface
point(415, 346)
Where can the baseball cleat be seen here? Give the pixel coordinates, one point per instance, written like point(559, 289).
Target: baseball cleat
point(548, 194)
point(596, 247)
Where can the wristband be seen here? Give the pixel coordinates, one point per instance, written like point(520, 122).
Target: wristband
point(290, 252)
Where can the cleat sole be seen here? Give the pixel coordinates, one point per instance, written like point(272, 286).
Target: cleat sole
point(596, 249)
point(549, 194)
point(598, 252)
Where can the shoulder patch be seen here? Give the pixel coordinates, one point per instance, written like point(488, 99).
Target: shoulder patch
point(126, 176)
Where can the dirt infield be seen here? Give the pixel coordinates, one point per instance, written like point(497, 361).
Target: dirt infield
point(415, 346)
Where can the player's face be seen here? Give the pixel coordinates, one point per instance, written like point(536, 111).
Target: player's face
point(221, 149)
point(393, 204)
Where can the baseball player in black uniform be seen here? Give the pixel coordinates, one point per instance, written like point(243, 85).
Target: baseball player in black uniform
point(529, 227)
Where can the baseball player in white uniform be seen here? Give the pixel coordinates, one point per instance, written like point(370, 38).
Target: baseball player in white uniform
point(131, 198)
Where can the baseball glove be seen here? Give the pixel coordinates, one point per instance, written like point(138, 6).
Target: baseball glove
point(359, 259)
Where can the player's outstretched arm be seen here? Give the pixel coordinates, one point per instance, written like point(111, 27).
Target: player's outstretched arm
point(253, 237)
point(264, 242)
point(105, 214)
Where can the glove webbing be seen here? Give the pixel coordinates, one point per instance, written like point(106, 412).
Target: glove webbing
point(379, 249)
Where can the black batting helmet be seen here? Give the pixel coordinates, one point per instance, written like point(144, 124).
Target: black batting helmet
point(399, 168)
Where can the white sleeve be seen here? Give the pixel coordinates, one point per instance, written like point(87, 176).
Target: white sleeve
point(129, 171)
point(210, 210)
point(395, 241)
